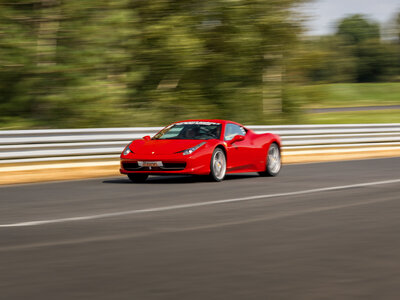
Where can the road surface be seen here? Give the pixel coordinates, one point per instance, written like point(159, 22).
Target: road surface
point(317, 231)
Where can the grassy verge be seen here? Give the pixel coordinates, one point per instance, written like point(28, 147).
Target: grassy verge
point(354, 94)
point(358, 117)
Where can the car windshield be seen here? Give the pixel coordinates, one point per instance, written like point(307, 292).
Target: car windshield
point(190, 131)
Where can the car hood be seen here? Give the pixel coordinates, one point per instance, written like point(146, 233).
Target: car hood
point(162, 146)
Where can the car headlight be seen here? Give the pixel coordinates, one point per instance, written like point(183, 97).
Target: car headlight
point(191, 150)
point(127, 150)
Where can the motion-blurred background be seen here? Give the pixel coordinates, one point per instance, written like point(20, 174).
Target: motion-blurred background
point(108, 63)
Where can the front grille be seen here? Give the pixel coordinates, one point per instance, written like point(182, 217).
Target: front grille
point(167, 166)
point(174, 166)
point(150, 169)
point(131, 166)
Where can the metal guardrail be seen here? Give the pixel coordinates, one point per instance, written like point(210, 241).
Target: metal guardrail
point(20, 146)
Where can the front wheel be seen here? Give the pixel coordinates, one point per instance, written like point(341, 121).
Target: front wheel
point(273, 161)
point(218, 165)
point(137, 177)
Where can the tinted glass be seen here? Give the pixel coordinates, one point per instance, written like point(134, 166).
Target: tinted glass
point(231, 130)
point(190, 131)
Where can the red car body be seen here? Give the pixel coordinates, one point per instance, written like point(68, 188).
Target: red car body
point(244, 154)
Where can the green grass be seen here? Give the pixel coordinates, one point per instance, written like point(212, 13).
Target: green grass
point(358, 117)
point(353, 94)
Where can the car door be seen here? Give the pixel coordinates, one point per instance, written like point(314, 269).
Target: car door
point(237, 152)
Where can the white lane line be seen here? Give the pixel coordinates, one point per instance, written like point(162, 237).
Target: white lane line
point(197, 204)
point(109, 238)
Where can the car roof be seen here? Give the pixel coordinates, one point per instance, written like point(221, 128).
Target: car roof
point(210, 120)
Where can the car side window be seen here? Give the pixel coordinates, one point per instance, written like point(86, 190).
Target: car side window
point(231, 130)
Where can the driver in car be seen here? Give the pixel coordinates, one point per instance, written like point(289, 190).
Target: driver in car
point(191, 133)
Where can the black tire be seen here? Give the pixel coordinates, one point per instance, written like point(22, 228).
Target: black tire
point(218, 165)
point(273, 161)
point(137, 177)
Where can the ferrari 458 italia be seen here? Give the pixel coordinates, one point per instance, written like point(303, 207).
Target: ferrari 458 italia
point(202, 147)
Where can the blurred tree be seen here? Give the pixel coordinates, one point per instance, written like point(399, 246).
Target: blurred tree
point(65, 64)
point(324, 59)
point(207, 58)
point(392, 40)
point(357, 28)
point(376, 61)
point(373, 59)
point(17, 60)
point(119, 62)
point(398, 27)
point(95, 62)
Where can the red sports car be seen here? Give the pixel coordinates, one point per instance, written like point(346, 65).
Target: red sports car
point(202, 147)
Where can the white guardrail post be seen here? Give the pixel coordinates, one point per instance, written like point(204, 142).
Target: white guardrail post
point(58, 145)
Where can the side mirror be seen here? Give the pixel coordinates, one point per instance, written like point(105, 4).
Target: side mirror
point(236, 138)
point(147, 138)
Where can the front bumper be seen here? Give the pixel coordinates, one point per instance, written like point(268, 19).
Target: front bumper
point(172, 164)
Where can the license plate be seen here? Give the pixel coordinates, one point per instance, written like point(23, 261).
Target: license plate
point(150, 163)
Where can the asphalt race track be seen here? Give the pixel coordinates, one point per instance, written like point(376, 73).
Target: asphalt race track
point(317, 231)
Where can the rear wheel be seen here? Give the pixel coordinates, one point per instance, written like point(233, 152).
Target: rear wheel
point(137, 177)
point(273, 161)
point(218, 165)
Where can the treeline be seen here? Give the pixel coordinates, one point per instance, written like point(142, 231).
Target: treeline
point(104, 63)
point(359, 51)
point(97, 63)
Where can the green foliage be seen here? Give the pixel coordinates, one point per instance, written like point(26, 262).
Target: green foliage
point(352, 94)
point(128, 63)
point(68, 62)
point(374, 60)
point(398, 27)
point(355, 117)
point(357, 28)
point(104, 63)
point(325, 59)
point(354, 54)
